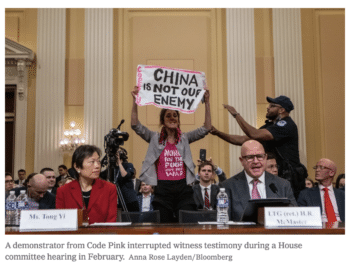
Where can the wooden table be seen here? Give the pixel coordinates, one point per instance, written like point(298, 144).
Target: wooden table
point(187, 229)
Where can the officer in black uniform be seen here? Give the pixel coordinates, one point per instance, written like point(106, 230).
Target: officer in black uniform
point(283, 129)
point(279, 136)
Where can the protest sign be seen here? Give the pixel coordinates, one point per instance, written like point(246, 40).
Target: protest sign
point(170, 88)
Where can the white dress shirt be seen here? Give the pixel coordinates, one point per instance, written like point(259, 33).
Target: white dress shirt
point(260, 186)
point(146, 202)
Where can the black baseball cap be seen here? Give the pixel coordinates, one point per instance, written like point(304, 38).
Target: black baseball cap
point(282, 100)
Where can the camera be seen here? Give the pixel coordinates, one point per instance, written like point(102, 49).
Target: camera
point(116, 138)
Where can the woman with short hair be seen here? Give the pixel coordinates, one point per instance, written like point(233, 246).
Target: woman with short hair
point(89, 192)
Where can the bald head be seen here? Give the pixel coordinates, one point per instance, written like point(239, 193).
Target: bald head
point(325, 171)
point(252, 147)
point(253, 158)
point(329, 164)
point(37, 186)
point(39, 180)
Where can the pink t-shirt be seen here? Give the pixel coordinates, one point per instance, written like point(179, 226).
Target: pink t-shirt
point(170, 164)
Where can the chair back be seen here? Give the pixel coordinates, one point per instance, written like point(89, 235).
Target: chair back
point(141, 217)
point(187, 216)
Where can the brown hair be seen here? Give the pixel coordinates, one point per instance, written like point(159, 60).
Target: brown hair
point(205, 163)
point(163, 133)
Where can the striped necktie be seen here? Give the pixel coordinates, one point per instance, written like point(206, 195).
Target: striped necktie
point(255, 192)
point(206, 199)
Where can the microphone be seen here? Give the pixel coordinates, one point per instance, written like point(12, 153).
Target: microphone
point(118, 128)
point(274, 189)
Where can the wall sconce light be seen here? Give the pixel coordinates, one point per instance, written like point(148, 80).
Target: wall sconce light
point(71, 139)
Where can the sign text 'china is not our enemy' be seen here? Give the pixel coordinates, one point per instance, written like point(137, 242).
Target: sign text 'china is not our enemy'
point(170, 88)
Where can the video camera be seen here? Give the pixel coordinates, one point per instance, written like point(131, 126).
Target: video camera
point(115, 138)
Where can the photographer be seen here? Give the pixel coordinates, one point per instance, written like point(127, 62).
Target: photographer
point(123, 174)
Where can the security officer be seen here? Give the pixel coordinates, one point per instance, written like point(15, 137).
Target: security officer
point(279, 136)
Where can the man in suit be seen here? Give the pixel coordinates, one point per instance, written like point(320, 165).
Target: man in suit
point(21, 177)
point(205, 192)
point(330, 200)
point(36, 187)
point(51, 179)
point(63, 171)
point(146, 197)
point(254, 182)
point(279, 135)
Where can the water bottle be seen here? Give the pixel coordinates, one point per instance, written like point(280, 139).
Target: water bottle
point(222, 206)
point(11, 209)
point(22, 204)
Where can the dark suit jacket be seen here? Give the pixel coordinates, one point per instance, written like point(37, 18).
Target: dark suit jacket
point(140, 199)
point(311, 197)
point(102, 204)
point(198, 197)
point(17, 181)
point(238, 192)
point(47, 202)
point(54, 190)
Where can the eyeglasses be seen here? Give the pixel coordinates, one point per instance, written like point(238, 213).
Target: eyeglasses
point(250, 158)
point(320, 167)
point(48, 177)
point(274, 106)
point(9, 182)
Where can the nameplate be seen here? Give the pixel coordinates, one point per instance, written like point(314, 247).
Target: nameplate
point(48, 220)
point(293, 217)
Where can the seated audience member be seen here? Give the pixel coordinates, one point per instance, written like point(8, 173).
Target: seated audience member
point(63, 171)
point(51, 179)
point(309, 183)
point(89, 192)
point(36, 186)
point(21, 177)
point(146, 197)
point(217, 170)
point(330, 200)
point(9, 183)
point(254, 182)
point(204, 193)
point(271, 164)
point(340, 183)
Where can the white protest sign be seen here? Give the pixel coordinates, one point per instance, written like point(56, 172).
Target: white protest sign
point(293, 217)
point(48, 220)
point(170, 88)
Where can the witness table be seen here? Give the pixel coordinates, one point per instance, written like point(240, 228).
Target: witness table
point(187, 229)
